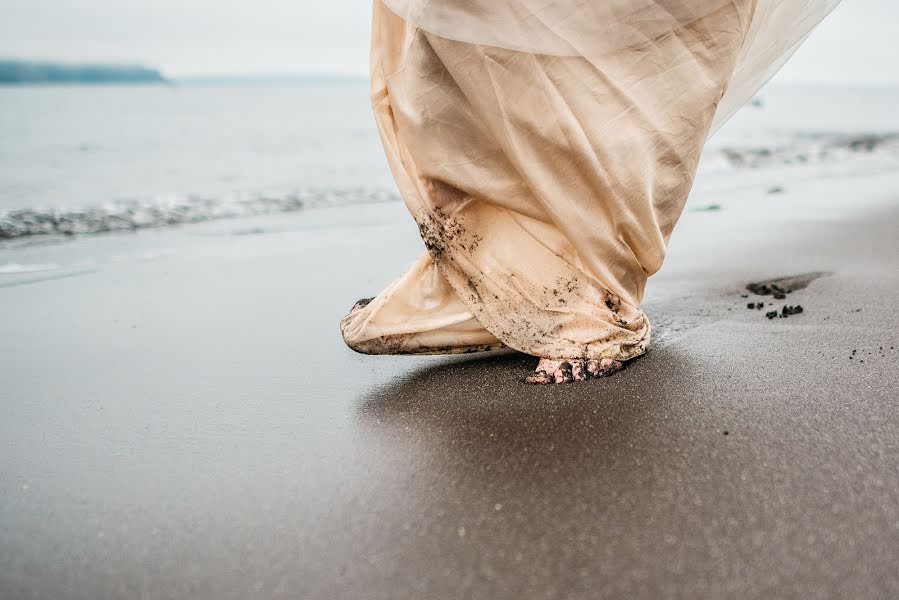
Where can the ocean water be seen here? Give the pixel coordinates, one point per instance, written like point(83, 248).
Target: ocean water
point(151, 155)
point(94, 159)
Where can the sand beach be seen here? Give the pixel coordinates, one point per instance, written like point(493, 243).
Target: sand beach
point(181, 418)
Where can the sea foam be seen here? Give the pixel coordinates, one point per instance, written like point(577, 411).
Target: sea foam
point(165, 211)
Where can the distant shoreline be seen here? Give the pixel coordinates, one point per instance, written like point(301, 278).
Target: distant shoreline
point(16, 73)
point(20, 72)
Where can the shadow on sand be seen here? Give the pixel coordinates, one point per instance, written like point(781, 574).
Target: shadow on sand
point(462, 456)
point(474, 421)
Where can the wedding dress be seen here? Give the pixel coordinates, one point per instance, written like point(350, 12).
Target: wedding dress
point(546, 150)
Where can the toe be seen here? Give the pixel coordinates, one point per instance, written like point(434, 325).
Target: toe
point(603, 367)
point(539, 378)
point(578, 371)
point(564, 373)
point(609, 366)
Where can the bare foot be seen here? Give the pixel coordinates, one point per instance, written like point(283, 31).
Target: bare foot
point(566, 371)
point(360, 304)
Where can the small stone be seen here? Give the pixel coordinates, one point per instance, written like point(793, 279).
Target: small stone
point(791, 310)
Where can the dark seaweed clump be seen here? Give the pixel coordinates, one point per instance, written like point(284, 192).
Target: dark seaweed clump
point(762, 289)
point(785, 312)
point(779, 288)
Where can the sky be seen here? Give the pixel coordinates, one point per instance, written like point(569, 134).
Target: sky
point(855, 45)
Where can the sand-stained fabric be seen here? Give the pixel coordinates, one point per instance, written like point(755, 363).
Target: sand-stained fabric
point(546, 150)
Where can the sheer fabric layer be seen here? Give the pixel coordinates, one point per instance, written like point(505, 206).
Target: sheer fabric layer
point(546, 180)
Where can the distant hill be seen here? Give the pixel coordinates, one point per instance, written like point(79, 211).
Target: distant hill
point(14, 72)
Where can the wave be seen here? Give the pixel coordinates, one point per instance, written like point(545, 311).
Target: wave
point(17, 269)
point(809, 149)
point(130, 215)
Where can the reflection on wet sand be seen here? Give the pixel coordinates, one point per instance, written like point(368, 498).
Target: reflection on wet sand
point(483, 469)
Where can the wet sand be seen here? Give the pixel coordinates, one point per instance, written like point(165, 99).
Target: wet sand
point(184, 421)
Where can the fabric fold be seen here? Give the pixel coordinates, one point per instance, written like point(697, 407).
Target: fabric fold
point(546, 178)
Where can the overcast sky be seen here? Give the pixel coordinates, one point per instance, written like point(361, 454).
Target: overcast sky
point(857, 44)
